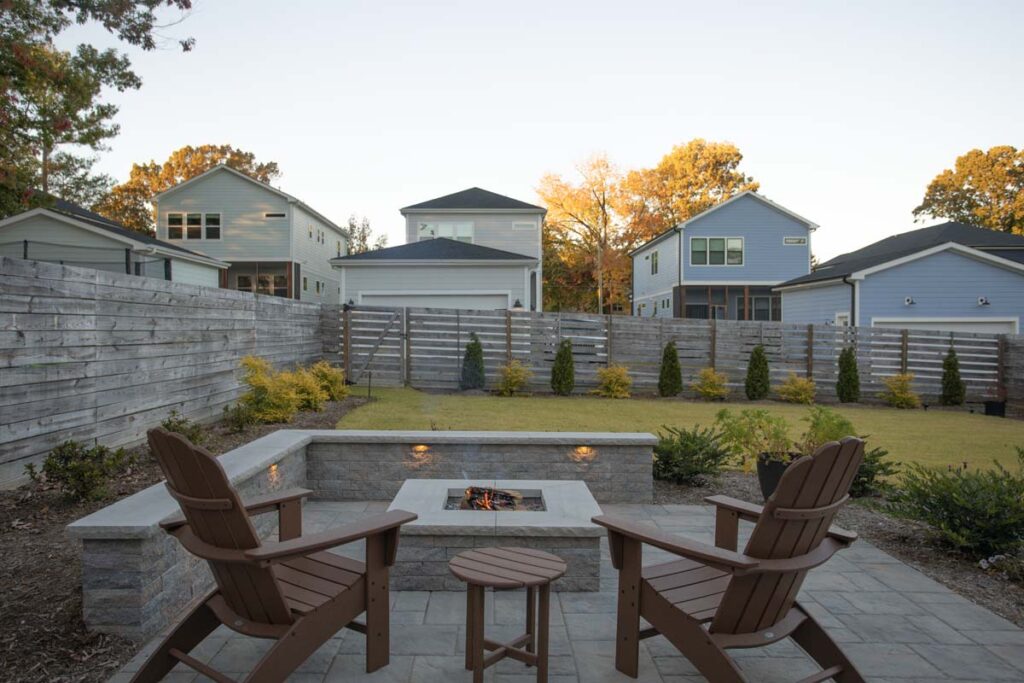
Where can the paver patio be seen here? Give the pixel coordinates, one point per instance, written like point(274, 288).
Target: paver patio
point(894, 622)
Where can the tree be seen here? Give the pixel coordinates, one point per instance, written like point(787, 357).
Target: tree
point(848, 382)
point(953, 388)
point(984, 189)
point(50, 97)
point(690, 179)
point(129, 202)
point(757, 383)
point(360, 235)
point(670, 378)
point(563, 372)
point(473, 365)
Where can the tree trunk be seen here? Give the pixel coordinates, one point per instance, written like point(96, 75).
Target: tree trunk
point(600, 279)
point(45, 170)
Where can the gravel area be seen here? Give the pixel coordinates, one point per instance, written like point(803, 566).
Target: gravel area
point(904, 539)
point(42, 636)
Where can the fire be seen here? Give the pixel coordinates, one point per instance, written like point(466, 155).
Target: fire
point(483, 498)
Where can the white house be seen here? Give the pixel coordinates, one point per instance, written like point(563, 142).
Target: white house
point(472, 249)
point(68, 234)
point(274, 242)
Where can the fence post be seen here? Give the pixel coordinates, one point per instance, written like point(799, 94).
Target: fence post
point(904, 350)
point(406, 349)
point(346, 342)
point(810, 352)
point(1001, 368)
point(458, 348)
point(508, 337)
point(714, 342)
point(608, 341)
point(24, 250)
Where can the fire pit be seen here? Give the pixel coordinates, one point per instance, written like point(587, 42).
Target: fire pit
point(457, 514)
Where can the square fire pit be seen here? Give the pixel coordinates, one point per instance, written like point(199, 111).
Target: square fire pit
point(548, 515)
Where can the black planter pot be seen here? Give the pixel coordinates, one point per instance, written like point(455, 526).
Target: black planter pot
point(995, 408)
point(769, 472)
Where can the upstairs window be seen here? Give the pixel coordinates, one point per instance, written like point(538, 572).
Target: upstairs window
point(654, 263)
point(273, 215)
point(461, 231)
point(339, 248)
point(716, 251)
point(194, 226)
point(175, 223)
point(212, 226)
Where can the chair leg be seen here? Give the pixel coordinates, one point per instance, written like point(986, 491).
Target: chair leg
point(191, 631)
point(817, 643)
point(627, 629)
point(378, 628)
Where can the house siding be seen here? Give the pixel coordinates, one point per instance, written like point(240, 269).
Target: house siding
point(943, 285)
point(816, 305)
point(314, 257)
point(765, 257)
point(191, 273)
point(429, 279)
point(650, 291)
point(54, 241)
point(489, 230)
point(246, 234)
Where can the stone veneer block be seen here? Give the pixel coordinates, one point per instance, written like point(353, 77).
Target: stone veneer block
point(563, 529)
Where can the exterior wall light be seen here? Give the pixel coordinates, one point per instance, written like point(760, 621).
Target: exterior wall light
point(583, 453)
point(909, 301)
point(273, 475)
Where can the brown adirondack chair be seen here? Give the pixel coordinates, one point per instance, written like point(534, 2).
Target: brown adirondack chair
point(290, 590)
point(715, 598)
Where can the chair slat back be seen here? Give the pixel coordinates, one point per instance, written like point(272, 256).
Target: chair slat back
point(215, 514)
point(794, 522)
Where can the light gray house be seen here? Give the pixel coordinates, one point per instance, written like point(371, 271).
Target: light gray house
point(68, 234)
point(274, 243)
point(950, 277)
point(723, 262)
point(472, 249)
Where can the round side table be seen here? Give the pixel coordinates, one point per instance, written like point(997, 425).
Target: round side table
point(508, 568)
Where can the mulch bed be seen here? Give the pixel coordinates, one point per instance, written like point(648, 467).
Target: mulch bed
point(903, 539)
point(42, 636)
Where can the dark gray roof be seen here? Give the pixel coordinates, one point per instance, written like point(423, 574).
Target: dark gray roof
point(908, 243)
point(473, 198)
point(438, 249)
point(86, 216)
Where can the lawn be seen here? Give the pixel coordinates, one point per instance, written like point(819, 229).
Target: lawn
point(931, 437)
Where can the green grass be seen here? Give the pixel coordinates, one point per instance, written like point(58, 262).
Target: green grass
point(927, 437)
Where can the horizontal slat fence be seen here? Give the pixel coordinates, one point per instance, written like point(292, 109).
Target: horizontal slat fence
point(424, 348)
point(99, 356)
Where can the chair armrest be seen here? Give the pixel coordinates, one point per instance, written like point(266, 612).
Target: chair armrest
point(726, 560)
point(751, 512)
point(253, 506)
point(269, 553)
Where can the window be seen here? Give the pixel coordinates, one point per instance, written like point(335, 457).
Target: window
point(243, 283)
point(842, 319)
point(716, 251)
point(654, 263)
point(194, 226)
point(311, 232)
point(265, 284)
point(212, 226)
point(339, 247)
point(273, 215)
point(174, 226)
point(523, 226)
point(281, 285)
point(762, 307)
point(463, 232)
point(305, 284)
point(794, 241)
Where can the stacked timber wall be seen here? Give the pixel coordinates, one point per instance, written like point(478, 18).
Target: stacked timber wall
point(98, 356)
point(424, 348)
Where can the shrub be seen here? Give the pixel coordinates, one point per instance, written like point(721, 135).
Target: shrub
point(797, 389)
point(563, 372)
point(898, 393)
point(953, 388)
point(81, 472)
point(331, 379)
point(711, 385)
point(178, 423)
point(239, 417)
point(848, 383)
point(473, 365)
point(306, 386)
point(754, 434)
point(757, 383)
point(870, 478)
point(823, 425)
point(269, 399)
point(670, 379)
point(978, 512)
point(613, 382)
point(513, 378)
point(689, 456)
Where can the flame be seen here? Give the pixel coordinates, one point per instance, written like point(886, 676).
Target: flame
point(484, 502)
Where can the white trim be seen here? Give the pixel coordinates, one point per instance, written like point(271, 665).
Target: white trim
point(839, 314)
point(811, 285)
point(806, 241)
point(523, 226)
point(976, 254)
point(364, 263)
point(712, 283)
point(725, 255)
point(647, 296)
point(856, 303)
point(507, 293)
point(911, 319)
point(810, 224)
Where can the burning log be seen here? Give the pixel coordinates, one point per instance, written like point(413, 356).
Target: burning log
point(486, 498)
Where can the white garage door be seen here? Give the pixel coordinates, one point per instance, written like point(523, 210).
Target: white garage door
point(979, 326)
point(481, 302)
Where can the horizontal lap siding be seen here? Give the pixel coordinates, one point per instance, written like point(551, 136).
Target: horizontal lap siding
point(90, 355)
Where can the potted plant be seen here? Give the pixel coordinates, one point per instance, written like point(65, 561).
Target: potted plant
point(995, 403)
point(761, 440)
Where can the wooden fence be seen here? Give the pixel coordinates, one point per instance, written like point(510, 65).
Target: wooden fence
point(424, 348)
point(93, 355)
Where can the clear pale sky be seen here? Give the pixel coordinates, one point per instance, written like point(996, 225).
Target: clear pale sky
point(843, 113)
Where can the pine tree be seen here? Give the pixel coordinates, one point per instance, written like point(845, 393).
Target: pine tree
point(670, 381)
point(757, 384)
point(848, 383)
point(473, 365)
point(953, 388)
point(563, 372)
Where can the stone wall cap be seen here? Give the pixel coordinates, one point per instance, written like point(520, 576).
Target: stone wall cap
point(456, 437)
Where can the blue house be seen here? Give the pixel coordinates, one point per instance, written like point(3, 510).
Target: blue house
point(723, 263)
point(950, 277)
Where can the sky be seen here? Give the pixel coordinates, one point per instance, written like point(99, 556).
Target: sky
point(843, 111)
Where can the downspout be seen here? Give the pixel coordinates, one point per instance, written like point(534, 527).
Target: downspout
point(677, 294)
point(853, 300)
